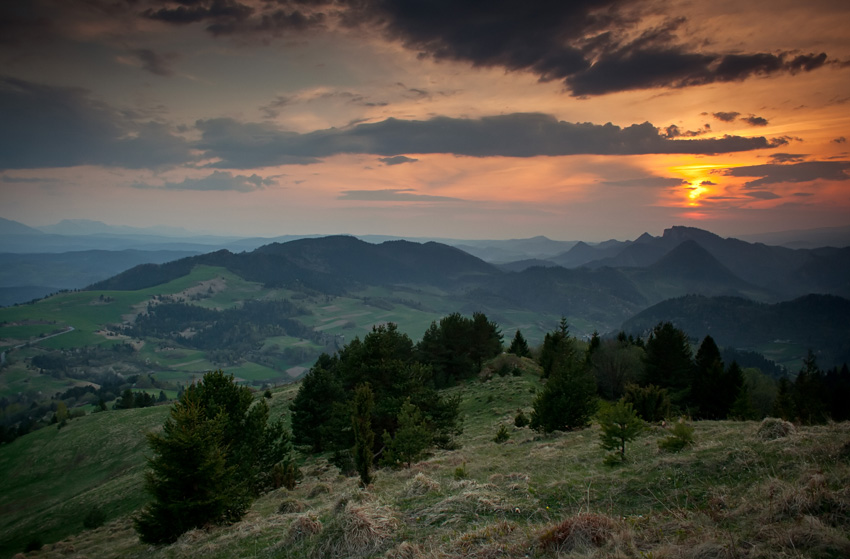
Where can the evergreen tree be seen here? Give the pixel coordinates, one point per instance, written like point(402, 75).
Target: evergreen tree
point(667, 362)
point(364, 437)
point(189, 478)
point(731, 385)
point(809, 394)
point(620, 424)
point(411, 440)
point(783, 406)
point(216, 452)
point(743, 408)
point(519, 346)
point(568, 399)
point(556, 345)
point(313, 404)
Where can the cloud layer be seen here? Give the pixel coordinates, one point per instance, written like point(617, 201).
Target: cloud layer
point(242, 145)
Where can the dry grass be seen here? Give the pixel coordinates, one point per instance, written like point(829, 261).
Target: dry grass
point(580, 531)
point(302, 527)
point(738, 493)
point(772, 428)
point(420, 485)
point(357, 530)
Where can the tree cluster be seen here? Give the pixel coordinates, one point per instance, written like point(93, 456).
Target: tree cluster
point(457, 346)
point(331, 411)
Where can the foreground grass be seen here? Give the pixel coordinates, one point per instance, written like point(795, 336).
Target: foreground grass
point(736, 493)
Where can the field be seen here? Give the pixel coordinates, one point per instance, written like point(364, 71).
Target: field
point(743, 490)
point(89, 318)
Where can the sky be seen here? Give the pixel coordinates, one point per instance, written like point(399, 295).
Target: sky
point(573, 119)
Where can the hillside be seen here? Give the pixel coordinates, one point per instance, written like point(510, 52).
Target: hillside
point(743, 490)
point(817, 322)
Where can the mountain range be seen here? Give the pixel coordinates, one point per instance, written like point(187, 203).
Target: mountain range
point(597, 286)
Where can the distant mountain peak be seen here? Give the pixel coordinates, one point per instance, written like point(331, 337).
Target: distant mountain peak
point(690, 259)
point(683, 232)
point(9, 227)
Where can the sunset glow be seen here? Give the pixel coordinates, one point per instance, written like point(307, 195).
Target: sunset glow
point(331, 117)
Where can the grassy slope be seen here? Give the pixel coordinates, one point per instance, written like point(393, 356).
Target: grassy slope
point(735, 494)
point(412, 308)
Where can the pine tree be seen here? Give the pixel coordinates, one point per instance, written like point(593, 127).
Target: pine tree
point(364, 437)
point(620, 424)
point(568, 399)
point(411, 440)
point(189, 478)
point(519, 346)
point(216, 453)
point(556, 344)
point(667, 362)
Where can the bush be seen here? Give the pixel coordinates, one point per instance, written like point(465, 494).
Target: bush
point(461, 472)
point(33, 545)
point(285, 474)
point(502, 435)
point(95, 518)
point(651, 403)
point(521, 420)
point(681, 435)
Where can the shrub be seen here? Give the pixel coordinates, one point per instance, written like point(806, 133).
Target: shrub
point(94, 518)
point(651, 403)
point(34, 544)
point(681, 435)
point(502, 435)
point(521, 420)
point(461, 472)
point(285, 474)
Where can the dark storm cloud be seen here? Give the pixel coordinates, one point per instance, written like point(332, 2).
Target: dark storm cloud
point(222, 12)
point(46, 126)
point(227, 17)
point(218, 181)
point(589, 44)
point(243, 145)
point(393, 195)
point(397, 160)
point(158, 64)
point(795, 172)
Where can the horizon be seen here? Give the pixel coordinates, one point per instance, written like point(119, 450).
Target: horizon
point(596, 121)
point(190, 234)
